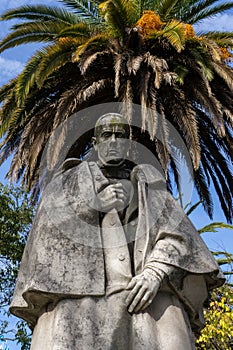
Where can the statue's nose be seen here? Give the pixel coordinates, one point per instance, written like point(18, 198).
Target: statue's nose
point(113, 137)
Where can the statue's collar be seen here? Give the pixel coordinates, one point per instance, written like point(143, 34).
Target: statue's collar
point(117, 172)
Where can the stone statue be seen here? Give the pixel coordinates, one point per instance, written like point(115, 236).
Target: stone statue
point(112, 262)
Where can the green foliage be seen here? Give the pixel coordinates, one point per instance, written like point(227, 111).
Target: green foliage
point(218, 332)
point(15, 218)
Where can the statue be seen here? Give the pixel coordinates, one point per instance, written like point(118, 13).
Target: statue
point(112, 262)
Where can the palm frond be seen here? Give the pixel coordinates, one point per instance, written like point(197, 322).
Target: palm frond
point(117, 67)
point(86, 62)
point(7, 148)
point(224, 262)
point(221, 187)
point(189, 126)
point(192, 208)
point(33, 140)
point(162, 151)
point(86, 8)
point(53, 57)
point(225, 73)
point(204, 97)
point(216, 253)
point(213, 143)
point(119, 14)
point(159, 67)
point(200, 53)
point(210, 12)
point(181, 73)
point(213, 227)
point(41, 13)
point(152, 113)
point(32, 32)
point(99, 41)
point(27, 78)
point(181, 113)
point(215, 42)
point(219, 166)
point(161, 142)
point(88, 92)
point(6, 89)
point(127, 101)
point(213, 50)
point(174, 178)
point(229, 115)
point(174, 32)
point(202, 187)
point(216, 35)
point(144, 101)
point(145, 5)
point(134, 64)
point(193, 7)
point(166, 9)
point(75, 31)
point(17, 116)
point(6, 111)
point(67, 104)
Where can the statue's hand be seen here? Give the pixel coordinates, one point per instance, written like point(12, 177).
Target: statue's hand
point(112, 197)
point(143, 288)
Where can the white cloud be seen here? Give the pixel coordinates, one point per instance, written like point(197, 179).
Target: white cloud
point(221, 23)
point(9, 69)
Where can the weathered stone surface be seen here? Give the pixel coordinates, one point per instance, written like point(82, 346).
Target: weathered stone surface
point(112, 262)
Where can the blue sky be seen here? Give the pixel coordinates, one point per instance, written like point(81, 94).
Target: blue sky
point(12, 62)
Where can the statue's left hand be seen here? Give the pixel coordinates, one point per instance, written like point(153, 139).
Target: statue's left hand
point(143, 288)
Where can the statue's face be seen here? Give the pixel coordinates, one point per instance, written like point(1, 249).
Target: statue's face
point(112, 141)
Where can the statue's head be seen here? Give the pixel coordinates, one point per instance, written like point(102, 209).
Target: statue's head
point(111, 138)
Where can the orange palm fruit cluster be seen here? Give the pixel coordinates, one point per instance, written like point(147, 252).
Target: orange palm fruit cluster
point(149, 22)
point(226, 55)
point(189, 31)
point(64, 40)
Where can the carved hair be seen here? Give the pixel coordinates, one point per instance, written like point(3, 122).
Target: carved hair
point(113, 118)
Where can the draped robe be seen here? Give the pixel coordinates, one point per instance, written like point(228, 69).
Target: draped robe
point(75, 266)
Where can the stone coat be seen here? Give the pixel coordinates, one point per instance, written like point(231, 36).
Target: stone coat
point(64, 258)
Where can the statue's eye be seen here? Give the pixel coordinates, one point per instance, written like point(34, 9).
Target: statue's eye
point(120, 134)
point(106, 134)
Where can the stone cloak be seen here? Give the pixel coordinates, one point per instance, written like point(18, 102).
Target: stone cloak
point(63, 257)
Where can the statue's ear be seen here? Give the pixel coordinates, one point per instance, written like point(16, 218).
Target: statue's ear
point(94, 142)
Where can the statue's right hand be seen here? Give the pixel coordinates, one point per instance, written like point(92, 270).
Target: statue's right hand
point(112, 197)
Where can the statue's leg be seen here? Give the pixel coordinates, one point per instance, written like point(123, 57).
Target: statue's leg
point(163, 326)
point(88, 323)
point(92, 323)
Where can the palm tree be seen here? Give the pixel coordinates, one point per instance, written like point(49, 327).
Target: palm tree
point(143, 52)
